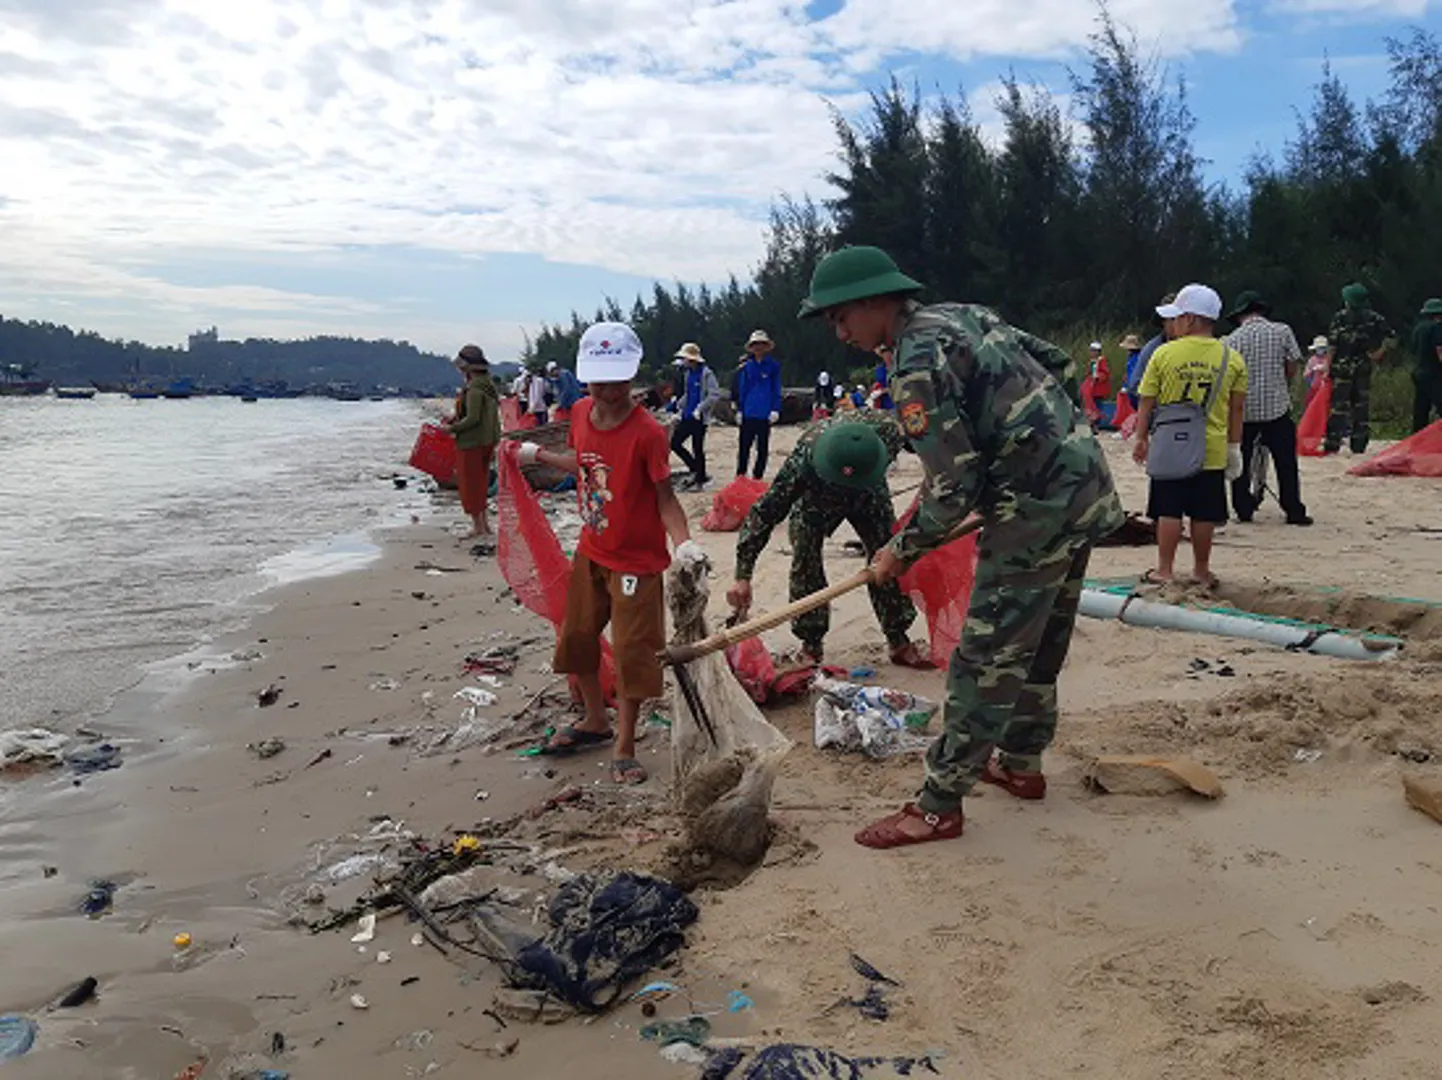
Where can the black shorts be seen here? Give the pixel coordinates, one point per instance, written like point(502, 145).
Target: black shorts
point(1202, 497)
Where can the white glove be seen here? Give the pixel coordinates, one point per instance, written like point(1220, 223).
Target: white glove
point(688, 551)
point(774, 417)
point(1234, 461)
point(530, 452)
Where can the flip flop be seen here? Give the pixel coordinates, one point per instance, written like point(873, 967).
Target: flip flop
point(1151, 578)
point(578, 741)
point(628, 771)
point(1211, 582)
point(887, 833)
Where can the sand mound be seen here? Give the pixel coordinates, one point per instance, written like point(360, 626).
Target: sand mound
point(1259, 729)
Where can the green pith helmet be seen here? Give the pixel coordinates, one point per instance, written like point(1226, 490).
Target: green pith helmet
point(1249, 300)
point(850, 455)
point(1432, 307)
point(1355, 295)
point(854, 273)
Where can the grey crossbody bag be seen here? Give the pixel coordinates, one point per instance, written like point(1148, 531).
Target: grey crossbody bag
point(1178, 447)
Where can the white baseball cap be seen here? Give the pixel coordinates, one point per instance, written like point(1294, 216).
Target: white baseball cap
point(1193, 300)
point(1097, 345)
point(609, 352)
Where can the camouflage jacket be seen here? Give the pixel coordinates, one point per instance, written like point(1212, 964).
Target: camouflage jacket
point(1355, 332)
point(797, 484)
point(996, 434)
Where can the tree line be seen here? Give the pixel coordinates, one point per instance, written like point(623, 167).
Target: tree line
point(65, 356)
point(1073, 226)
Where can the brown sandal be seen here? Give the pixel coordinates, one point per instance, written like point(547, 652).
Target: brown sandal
point(887, 833)
point(910, 656)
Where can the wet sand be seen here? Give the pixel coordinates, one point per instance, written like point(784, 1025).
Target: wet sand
point(1287, 930)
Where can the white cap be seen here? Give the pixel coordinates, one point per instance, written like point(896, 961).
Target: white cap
point(1193, 300)
point(551, 366)
point(609, 352)
point(1097, 345)
point(824, 378)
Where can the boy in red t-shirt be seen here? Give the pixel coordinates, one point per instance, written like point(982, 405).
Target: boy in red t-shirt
point(620, 457)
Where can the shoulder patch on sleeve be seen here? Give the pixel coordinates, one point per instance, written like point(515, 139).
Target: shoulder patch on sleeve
point(913, 418)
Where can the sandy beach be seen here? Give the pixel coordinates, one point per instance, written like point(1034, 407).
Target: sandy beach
point(1287, 930)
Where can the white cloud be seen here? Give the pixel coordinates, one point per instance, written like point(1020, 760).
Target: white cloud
point(643, 136)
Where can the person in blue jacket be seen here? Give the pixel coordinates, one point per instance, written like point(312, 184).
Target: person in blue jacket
point(758, 397)
point(566, 387)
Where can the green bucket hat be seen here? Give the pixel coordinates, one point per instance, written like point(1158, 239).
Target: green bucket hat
point(1432, 307)
point(1249, 300)
point(1355, 295)
point(850, 455)
point(854, 273)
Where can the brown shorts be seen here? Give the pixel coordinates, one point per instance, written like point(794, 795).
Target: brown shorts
point(634, 606)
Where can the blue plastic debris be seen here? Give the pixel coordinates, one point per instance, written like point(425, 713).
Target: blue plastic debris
point(863, 673)
point(99, 899)
point(94, 759)
point(737, 1002)
point(17, 1036)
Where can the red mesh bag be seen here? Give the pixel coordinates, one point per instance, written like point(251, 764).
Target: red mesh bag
point(731, 504)
point(939, 584)
point(435, 453)
point(529, 554)
point(1312, 431)
point(1420, 455)
point(753, 667)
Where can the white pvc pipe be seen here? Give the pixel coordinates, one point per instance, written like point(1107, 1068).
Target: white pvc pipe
point(1105, 605)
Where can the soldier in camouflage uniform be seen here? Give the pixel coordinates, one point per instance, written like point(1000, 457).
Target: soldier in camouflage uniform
point(836, 473)
point(1358, 335)
point(1000, 435)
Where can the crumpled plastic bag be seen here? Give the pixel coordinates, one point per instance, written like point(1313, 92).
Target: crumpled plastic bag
point(874, 720)
point(752, 664)
point(32, 748)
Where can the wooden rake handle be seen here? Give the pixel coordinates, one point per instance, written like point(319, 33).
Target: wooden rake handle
point(731, 635)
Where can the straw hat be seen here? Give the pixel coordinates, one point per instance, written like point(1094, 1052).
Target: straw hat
point(690, 351)
point(759, 337)
point(1320, 342)
point(1131, 343)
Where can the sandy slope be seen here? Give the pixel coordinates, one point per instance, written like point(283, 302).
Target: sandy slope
point(1285, 931)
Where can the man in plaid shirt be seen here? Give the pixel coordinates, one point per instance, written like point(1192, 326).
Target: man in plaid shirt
point(1273, 359)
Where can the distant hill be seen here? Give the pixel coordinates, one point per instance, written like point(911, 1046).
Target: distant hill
point(68, 357)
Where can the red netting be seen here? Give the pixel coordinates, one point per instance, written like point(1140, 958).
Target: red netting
point(1420, 455)
point(512, 419)
point(1312, 431)
point(435, 453)
point(529, 555)
point(940, 586)
point(731, 504)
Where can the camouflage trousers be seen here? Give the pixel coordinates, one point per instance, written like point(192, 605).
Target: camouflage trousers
point(1351, 405)
point(808, 528)
point(1001, 686)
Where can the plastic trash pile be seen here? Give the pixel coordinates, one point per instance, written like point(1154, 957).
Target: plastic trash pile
point(874, 720)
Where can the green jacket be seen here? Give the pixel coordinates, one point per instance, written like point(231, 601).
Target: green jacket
point(998, 434)
point(798, 485)
point(1426, 340)
point(479, 421)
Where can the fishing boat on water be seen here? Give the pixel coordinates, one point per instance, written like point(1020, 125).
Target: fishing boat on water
point(16, 380)
point(75, 393)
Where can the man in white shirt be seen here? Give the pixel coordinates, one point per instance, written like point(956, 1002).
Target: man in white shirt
point(1273, 360)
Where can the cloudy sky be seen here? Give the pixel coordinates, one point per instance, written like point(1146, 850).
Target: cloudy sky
point(448, 170)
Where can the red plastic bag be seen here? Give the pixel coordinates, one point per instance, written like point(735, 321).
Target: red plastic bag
point(1419, 455)
point(1124, 413)
point(530, 556)
point(939, 584)
point(731, 504)
point(435, 453)
point(753, 667)
point(1312, 431)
